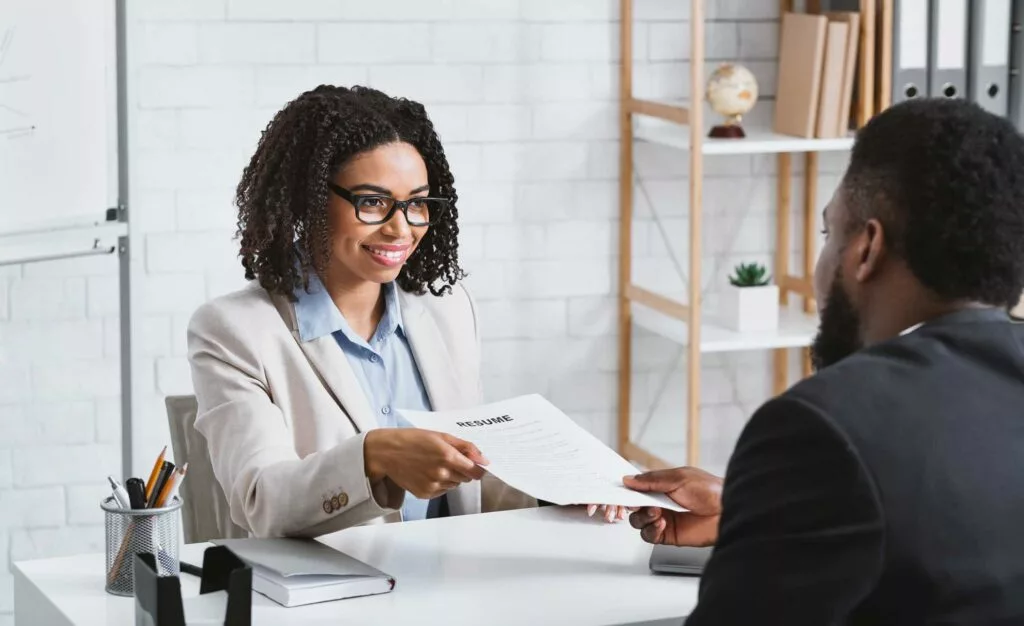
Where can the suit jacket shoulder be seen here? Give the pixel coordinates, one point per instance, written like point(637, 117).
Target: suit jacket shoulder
point(243, 310)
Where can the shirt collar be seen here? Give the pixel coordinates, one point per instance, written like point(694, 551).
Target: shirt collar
point(317, 315)
point(981, 314)
point(907, 331)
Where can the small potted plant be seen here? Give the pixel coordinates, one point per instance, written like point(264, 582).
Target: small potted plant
point(750, 303)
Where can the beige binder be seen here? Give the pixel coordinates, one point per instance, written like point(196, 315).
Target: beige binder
point(798, 87)
point(849, 69)
point(885, 63)
point(829, 102)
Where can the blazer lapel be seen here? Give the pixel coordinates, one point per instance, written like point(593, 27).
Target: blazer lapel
point(336, 373)
point(431, 354)
point(333, 369)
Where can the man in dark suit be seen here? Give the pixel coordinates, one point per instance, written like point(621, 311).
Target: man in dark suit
point(888, 488)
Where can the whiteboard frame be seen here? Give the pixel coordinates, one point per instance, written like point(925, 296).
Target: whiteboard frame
point(104, 233)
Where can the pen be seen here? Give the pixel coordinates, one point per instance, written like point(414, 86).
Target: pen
point(165, 474)
point(170, 487)
point(136, 492)
point(119, 493)
point(182, 471)
point(153, 475)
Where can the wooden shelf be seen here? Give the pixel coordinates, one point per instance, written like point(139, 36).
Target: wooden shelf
point(647, 123)
point(758, 140)
point(796, 330)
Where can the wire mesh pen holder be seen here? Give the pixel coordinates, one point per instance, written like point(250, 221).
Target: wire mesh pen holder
point(133, 531)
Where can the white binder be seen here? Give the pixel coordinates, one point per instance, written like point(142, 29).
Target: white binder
point(988, 73)
point(909, 49)
point(947, 58)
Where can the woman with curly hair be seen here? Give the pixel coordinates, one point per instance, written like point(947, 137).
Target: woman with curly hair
point(348, 226)
point(349, 232)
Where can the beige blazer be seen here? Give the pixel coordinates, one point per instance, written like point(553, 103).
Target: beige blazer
point(285, 419)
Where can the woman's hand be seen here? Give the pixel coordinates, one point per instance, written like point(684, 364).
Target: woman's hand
point(423, 462)
point(610, 513)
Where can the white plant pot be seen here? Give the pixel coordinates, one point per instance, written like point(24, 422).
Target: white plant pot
point(750, 309)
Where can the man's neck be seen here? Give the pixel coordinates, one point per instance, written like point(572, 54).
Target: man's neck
point(886, 326)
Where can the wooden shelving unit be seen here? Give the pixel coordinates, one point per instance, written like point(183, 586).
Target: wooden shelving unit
point(680, 317)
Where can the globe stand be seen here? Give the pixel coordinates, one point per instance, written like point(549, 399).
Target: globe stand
point(727, 131)
point(730, 129)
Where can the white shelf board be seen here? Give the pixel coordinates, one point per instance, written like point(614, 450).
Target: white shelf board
point(60, 240)
point(796, 329)
point(758, 140)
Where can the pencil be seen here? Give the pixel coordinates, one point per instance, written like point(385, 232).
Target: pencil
point(161, 481)
point(156, 472)
point(171, 486)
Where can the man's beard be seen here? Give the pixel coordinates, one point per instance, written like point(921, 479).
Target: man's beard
point(838, 330)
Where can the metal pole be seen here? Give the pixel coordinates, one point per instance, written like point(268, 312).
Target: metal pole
point(123, 248)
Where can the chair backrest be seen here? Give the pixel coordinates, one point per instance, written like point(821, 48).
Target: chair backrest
point(204, 512)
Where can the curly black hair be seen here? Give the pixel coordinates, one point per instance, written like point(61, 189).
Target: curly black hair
point(282, 197)
point(945, 178)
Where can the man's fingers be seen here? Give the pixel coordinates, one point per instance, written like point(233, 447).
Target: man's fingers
point(654, 532)
point(693, 489)
point(679, 529)
point(658, 481)
point(644, 516)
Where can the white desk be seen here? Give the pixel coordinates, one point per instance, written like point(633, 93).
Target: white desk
point(535, 566)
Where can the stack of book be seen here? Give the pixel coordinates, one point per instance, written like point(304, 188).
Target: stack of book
point(817, 67)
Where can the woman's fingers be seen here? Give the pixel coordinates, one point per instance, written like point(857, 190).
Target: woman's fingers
point(610, 512)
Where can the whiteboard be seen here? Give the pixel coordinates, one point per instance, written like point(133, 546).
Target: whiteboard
point(57, 111)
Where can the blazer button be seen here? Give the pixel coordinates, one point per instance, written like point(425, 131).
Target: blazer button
point(335, 503)
point(327, 507)
point(343, 499)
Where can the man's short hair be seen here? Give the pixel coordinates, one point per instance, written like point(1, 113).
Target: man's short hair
point(946, 180)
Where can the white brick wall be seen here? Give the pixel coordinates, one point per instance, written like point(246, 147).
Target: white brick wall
point(524, 95)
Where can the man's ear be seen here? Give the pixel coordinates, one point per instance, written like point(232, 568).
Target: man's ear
point(869, 246)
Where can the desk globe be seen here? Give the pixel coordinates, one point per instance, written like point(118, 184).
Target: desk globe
point(731, 92)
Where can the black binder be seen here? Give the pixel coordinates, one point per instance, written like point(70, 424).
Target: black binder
point(158, 598)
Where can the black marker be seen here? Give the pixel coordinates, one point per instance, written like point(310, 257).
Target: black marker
point(136, 492)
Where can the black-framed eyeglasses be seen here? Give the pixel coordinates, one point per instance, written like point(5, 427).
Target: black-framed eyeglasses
point(379, 208)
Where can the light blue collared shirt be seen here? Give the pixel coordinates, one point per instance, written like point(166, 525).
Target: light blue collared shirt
point(384, 366)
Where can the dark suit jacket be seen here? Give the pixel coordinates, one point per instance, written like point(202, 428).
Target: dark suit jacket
point(886, 489)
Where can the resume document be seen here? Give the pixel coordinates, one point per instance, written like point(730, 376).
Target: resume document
point(537, 449)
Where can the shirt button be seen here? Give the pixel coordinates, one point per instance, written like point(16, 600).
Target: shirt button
point(386, 410)
point(374, 358)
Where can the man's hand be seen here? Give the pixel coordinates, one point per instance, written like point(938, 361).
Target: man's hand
point(690, 488)
point(423, 462)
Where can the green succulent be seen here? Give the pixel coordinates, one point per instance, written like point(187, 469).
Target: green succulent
point(750, 275)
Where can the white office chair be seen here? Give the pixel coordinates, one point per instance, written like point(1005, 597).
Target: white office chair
point(204, 512)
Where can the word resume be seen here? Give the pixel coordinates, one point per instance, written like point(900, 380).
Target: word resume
point(539, 450)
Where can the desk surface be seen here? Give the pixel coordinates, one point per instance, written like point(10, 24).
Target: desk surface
point(535, 566)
